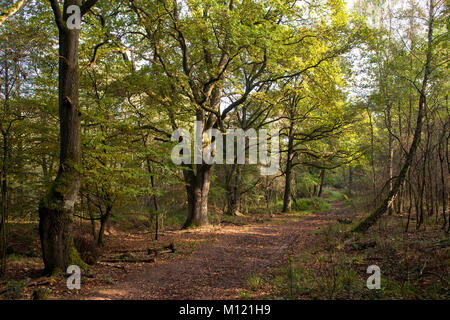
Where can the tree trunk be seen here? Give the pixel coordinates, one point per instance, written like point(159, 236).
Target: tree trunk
point(443, 182)
point(155, 200)
point(197, 189)
point(57, 207)
point(288, 173)
point(322, 178)
point(391, 151)
point(4, 171)
point(91, 217)
point(4, 208)
point(372, 155)
point(350, 180)
point(103, 221)
point(233, 190)
point(198, 182)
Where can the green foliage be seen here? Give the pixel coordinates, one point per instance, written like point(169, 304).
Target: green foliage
point(334, 195)
point(254, 282)
point(311, 204)
point(341, 84)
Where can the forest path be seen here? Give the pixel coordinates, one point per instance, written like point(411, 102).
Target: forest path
point(220, 267)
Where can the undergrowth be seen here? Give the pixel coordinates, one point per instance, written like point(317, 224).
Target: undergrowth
point(413, 265)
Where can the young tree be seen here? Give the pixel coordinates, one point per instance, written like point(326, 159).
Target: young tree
point(18, 56)
point(422, 90)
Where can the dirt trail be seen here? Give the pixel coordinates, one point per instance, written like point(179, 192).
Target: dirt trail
point(219, 269)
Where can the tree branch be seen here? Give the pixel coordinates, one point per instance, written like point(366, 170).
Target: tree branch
point(57, 12)
point(7, 13)
point(87, 5)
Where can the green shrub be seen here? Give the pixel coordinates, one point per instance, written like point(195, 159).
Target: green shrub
point(254, 282)
point(310, 204)
point(333, 195)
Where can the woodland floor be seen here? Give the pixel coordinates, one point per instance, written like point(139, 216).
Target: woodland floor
point(257, 256)
point(221, 261)
point(209, 263)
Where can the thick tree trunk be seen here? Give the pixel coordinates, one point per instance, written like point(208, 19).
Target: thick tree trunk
point(197, 189)
point(57, 207)
point(198, 182)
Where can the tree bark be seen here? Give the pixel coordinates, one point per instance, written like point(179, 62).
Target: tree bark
point(322, 178)
point(103, 221)
point(288, 172)
point(391, 150)
point(4, 208)
point(372, 155)
point(443, 182)
point(197, 189)
point(155, 200)
point(198, 182)
point(233, 189)
point(4, 170)
point(92, 221)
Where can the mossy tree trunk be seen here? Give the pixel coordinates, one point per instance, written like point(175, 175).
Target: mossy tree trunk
point(56, 208)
